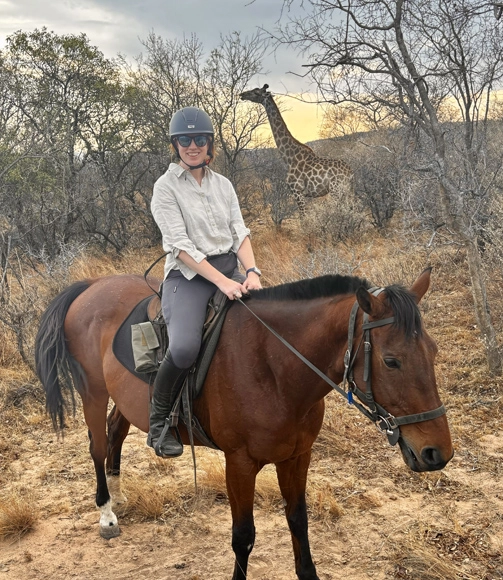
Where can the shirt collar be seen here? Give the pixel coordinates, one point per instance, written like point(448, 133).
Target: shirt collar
point(178, 170)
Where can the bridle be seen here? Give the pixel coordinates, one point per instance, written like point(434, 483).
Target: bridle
point(385, 422)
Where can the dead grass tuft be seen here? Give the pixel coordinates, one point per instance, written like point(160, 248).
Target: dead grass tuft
point(267, 492)
point(93, 266)
point(151, 499)
point(322, 503)
point(18, 516)
point(414, 562)
point(211, 480)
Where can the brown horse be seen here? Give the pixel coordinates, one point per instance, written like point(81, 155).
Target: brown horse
point(261, 403)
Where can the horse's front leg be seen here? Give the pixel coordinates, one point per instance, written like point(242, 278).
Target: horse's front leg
point(241, 473)
point(95, 413)
point(292, 477)
point(118, 428)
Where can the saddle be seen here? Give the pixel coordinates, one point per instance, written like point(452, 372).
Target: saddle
point(215, 317)
point(147, 315)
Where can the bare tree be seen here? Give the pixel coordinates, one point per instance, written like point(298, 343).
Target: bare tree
point(226, 73)
point(166, 79)
point(424, 61)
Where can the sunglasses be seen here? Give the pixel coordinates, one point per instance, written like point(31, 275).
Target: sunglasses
point(186, 140)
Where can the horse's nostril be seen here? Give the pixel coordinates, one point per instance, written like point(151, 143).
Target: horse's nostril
point(431, 456)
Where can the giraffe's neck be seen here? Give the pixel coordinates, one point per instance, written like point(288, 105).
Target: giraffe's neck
point(287, 145)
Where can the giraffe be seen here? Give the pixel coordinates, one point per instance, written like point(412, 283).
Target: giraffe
point(308, 174)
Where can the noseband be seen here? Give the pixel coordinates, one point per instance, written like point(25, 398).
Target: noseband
point(385, 422)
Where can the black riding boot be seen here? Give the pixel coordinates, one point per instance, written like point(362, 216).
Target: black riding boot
point(167, 385)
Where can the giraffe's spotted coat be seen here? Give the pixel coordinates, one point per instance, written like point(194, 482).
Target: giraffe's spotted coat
point(308, 175)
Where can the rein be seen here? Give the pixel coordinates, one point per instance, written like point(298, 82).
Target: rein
point(385, 422)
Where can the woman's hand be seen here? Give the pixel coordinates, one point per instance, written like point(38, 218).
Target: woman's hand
point(252, 282)
point(232, 289)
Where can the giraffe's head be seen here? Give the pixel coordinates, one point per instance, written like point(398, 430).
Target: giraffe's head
point(256, 95)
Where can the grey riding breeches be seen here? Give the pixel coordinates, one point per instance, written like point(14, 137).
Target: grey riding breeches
point(184, 305)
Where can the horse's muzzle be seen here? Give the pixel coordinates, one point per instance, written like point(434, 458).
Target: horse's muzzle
point(430, 458)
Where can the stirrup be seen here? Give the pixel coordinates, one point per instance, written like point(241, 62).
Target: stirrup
point(162, 436)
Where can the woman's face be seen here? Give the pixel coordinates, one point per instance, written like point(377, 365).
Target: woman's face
point(192, 154)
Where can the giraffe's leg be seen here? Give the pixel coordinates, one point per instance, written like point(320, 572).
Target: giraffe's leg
point(340, 187)
point(301, 203)
point(297, 188)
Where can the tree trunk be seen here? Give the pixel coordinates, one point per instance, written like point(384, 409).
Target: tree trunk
point(482, 311)
point(452, 207)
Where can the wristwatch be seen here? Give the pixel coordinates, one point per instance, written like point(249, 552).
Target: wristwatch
point(254, 269)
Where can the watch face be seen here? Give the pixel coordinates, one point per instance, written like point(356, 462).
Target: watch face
point(254, 269)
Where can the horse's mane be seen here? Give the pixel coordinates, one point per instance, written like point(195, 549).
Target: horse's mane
point(405, 310)
point(321, 287)
point(401, 301)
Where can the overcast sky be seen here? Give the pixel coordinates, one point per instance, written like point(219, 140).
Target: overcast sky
point(118, 26)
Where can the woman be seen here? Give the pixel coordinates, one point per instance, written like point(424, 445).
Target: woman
point(203, 231)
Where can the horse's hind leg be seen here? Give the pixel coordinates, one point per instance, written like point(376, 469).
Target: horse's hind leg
point(95, 412)
point(118, 428)
point(241, 472)
point(292, 476)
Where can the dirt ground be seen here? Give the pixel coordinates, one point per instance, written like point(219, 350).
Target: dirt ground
point(370, 517)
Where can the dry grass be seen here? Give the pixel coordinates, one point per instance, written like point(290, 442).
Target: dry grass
point(323, 505)
point(451, 524)
point(18, 515)
point(415, 562)
point(212, 481)
point(148, 498)
point(212, 476)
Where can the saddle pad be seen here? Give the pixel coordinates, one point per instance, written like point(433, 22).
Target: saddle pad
point(122, 344)
point(123, 349)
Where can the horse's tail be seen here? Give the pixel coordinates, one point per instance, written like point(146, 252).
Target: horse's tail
point(56, 368)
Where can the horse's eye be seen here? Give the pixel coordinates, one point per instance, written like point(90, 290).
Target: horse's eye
point(392, 363)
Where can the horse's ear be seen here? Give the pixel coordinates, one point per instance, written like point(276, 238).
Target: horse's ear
point(421, 285)
point(369, 303)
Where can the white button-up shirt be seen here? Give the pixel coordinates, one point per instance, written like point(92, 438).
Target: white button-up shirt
point(203, 220)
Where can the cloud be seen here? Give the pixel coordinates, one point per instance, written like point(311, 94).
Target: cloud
point(119, 26)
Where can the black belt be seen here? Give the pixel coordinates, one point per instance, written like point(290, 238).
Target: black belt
point(215, 256)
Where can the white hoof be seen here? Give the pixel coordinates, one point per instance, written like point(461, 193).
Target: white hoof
point(109, 527)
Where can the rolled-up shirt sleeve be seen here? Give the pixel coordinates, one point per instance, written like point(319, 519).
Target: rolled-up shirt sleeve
point(238, 227)
point(169, 218)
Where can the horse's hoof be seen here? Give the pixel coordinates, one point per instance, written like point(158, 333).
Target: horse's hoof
point(109, 532)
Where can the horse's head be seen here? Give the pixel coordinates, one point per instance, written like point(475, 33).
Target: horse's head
point(398, 378)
